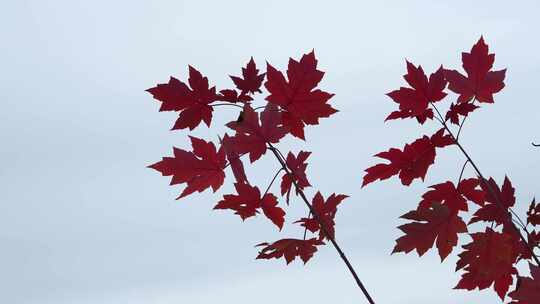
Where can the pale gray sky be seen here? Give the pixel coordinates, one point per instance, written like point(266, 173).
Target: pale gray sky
point(83, 221)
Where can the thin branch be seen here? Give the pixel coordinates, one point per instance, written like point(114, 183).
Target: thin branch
point(463, 122)
point(273, 179)
point(323, 227)
point(462, 170)
point(226, 104)
point(519, 220)
point(305, 228)
point(535, 145)
point(294, 176)
point(460, 126)
point(517, 223)
point(489, 188)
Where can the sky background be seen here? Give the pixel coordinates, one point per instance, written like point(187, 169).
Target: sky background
point(83, 221)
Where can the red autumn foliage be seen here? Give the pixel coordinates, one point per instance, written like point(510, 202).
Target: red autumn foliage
point(289, 249)
point(297, 165)
point(302, 103)
point(192, 103)
point(429, 223)
point(490, 258)
point(326, 211)
point(414, 101)
point(528, 289)
point(200, 169)
point(295, 101)
point(290, 105)
point(480, 83)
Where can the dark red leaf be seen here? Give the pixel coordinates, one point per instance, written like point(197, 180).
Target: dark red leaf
point(297, 166)
point(298, 97)
point(533, 214)
point(290, 249)
point(445, 194)
point(326, 211)
point(234, 159)
point(248, 202)
point(533, 241)
point(434, 222)
point(414, 101)
point(193, 104)
point(460, 109)
point(232, 96)
point(440, 140)
point(200, 169)
point(413, 162)
point(480, 83)
point(252, 137)
point(469, 188)
point(251, 81)
point(528, 289)
point(272, 212)
point(488, 260)
point(497, 203)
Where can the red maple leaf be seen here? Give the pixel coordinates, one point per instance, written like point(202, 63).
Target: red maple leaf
point(533, 241)
point(248, 202)
point(301, 102)
point(326, 211)
point(498, 201)
point(233, 96)
point(480, 83)
point(533, 214)
point(528, 289)
point(454, 198)
point(297, 166)
point(460, 109)
point(440, 140)
point(488, 260)
point(251, 81)
point(414, 101)
point(413, 162)
point(469, 188)
point(252, 137)
point(290, 249)
point(233, 157)
point(200, 169)
point(193, 104)
point(434, 222)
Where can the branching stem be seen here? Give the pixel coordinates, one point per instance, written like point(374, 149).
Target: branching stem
point(489, 188)
point(300, 192)
point(272, 182)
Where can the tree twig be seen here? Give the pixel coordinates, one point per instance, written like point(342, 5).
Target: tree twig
point(489, 188)
point(323, 227)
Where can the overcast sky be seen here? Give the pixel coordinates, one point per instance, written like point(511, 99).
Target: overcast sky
point(83, 221)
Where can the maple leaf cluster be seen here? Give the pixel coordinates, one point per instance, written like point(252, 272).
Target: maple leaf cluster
point(489, 259)
point(293, 102)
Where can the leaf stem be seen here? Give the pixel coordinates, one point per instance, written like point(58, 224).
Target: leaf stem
point(460, 126)
point(462, 122)
point(226, 104)
point(462, 170)
point(323, 227)
point(272, 182)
